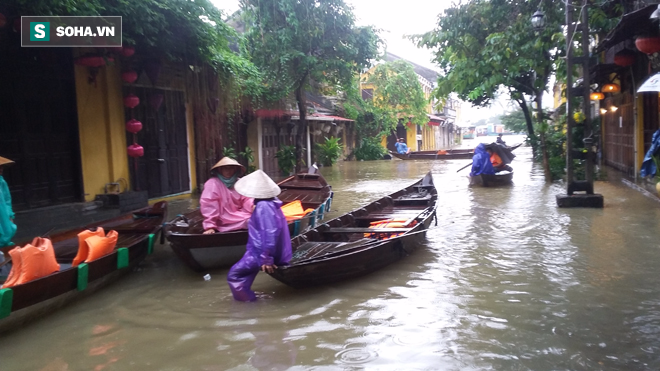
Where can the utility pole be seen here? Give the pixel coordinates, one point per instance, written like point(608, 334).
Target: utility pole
point(586, 196)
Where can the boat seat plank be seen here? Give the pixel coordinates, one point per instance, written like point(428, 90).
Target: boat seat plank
point(367, 230)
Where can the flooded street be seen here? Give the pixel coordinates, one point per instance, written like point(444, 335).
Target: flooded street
point(505, 281)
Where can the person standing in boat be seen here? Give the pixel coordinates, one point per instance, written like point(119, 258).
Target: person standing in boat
point(402, 147)
point(223, 208)
point(269, 242)
point(7, 226)
point(500, 140)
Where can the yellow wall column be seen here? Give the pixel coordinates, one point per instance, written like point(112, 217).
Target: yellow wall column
point(102, 130)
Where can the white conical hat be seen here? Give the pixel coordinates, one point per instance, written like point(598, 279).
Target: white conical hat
point(228, 161)
point(257, 185)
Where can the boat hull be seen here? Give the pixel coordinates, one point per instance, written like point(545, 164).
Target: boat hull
point(463, 154)
point(359, 256)
point(204, 252)
point(492, 180)
point(34, 299)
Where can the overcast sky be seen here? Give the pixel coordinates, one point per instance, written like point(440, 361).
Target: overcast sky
point(397, 19)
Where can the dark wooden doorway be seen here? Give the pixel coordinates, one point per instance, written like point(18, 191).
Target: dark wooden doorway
point(392, 138)
point(163, 170)
point(39, 124)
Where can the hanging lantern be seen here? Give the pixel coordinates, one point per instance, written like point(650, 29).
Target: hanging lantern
point(129, 76)
point(611, 88)
point(624, 58)
point(155, 101)
point(648, 45)
point(127, 51)
point(135, 150)
point(597, 96)
point(3, 20)
point(131, 101)
point(133, 126)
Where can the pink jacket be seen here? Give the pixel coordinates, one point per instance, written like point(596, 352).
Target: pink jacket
point(224, 209)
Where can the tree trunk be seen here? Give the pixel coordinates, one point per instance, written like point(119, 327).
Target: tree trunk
point(302, 126)
point(530, 124)
point(544, 148)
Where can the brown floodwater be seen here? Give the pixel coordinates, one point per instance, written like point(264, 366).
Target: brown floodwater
point(506, 281)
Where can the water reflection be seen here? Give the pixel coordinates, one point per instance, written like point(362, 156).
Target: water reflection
point(505, 281)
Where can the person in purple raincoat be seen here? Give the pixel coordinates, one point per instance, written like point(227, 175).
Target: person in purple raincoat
point(269, 242)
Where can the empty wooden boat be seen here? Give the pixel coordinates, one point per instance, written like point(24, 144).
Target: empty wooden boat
point(25, 302)
point(362, 241)
point(203, 252)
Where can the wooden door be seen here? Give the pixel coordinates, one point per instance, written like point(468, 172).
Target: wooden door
point(163, 170)
point(39, 124)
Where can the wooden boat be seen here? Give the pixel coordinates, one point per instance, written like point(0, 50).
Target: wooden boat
point(23, 303)
point(338, 249)
point(203, 252)
point(451, 154)
point(492, 180)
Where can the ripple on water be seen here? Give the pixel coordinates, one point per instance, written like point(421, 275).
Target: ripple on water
point(356, 356)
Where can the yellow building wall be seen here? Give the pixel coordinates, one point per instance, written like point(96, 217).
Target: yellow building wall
point(102, 130)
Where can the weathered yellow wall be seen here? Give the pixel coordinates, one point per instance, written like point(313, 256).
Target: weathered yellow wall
point(102, 130)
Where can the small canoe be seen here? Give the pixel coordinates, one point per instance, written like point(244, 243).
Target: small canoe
point(492, 180)
point(26, 302)
point(451, 154)
point(203, 252)
point(355, 244)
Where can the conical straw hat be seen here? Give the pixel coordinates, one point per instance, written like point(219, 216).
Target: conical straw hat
point(5, 161)
point(228, 161)
point(257, 185)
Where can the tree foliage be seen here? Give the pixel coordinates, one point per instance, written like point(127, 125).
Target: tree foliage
point(294, 42)
point(514, 121)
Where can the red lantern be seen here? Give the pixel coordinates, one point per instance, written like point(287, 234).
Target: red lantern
point(129, 76)
point(3, 20)
point(648, 45)
point(624, 58)
point(127, 51)
point(133, 126)
point(131, 101)
point(135, 150)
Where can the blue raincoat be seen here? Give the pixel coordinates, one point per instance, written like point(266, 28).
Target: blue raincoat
point(7, 226)
point(481, 161)
point(269, 243)
point(648, 166)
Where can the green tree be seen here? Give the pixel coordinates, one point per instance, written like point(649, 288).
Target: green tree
point(397, 95)
point(514, 121)
point(298, 41)
point(487, 44)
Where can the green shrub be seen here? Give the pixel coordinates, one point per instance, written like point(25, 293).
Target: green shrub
point(286, 159)
point(370, 149)
point(330, 151)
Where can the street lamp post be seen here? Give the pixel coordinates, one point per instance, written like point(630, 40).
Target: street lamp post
point(571, 198)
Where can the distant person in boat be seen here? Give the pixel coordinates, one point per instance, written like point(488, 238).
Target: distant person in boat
point(7, 226)
point(481, 161)
point(401, 147)
point(497, 162)
point(223, 208)
point(500, 140)
point(269, 242)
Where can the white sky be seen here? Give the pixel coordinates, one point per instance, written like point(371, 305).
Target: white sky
point(396, 19)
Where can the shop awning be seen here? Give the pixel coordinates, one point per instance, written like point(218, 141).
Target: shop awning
point(631, 24)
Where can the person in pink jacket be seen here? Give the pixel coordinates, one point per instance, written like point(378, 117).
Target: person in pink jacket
point(223, 208)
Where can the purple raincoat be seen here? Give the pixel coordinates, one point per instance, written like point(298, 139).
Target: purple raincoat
point(269, 243)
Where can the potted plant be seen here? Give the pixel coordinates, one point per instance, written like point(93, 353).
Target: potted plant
point(286, 159)
point(330, 151)
point(248, 155)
